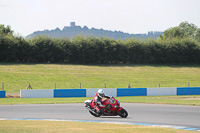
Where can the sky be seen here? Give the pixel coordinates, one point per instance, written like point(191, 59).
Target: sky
point(129, 16)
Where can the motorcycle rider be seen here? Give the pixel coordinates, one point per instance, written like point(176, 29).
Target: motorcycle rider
point(97, 100)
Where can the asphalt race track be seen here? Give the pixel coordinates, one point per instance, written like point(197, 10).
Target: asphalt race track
point(174, 115)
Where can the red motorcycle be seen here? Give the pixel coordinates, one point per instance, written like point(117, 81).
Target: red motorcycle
point(111, 108)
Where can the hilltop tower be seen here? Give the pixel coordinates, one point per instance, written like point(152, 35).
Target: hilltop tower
point(72, 24)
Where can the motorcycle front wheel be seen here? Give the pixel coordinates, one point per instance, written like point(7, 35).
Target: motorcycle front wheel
point(123, 113)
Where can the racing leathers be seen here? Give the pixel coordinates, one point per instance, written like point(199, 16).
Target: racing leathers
point(97, 102)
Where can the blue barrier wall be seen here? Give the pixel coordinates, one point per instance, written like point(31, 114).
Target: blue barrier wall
point(188, 91)
point(70, 93)
point(2, 94)
point(131, 92)
point(112, 92)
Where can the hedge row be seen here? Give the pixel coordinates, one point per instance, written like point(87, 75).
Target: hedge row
point(98, 51)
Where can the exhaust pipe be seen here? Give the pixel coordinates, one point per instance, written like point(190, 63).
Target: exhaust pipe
point(91, 110)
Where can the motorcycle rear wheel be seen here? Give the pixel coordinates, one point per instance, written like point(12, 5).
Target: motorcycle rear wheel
point(123, 113)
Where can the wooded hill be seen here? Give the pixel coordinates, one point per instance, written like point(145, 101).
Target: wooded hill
point(73, 30)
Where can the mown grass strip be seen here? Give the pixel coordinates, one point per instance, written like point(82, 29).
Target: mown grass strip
point(7, 101)
point(177, 100)
point(13, 126)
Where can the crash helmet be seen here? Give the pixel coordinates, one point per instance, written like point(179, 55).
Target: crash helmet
point(100, 93)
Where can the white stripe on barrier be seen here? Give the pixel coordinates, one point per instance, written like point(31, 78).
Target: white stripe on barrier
point(163, 91)
point(37, 93)
point(107, 91)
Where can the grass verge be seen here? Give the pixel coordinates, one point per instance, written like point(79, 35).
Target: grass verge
point(15, 126)
point(44, 76)
point(177, 100)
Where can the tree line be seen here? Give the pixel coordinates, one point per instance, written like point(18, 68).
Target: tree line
point(167, 49)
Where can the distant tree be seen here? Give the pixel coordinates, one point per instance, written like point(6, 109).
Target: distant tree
point(197, 35)
point(6, 43)
point(5, 30)
point(187, 28)
point(175, 32)
point(184, 30)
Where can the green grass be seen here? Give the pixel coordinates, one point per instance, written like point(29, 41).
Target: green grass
point(5, 101)
point(18, 126)
point(177, 100)
point(44, 76)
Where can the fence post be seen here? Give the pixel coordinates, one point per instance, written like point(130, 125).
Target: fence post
point(55, 85)
point(104, 85)
point(159, 85)
point(29, 87)
point(129, 85)
point(2, 86)
point(188, 84)
point(80, 85)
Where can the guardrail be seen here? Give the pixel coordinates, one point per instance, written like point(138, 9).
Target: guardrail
point(116, 92)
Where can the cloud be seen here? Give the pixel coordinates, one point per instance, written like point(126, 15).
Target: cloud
point(6, 4)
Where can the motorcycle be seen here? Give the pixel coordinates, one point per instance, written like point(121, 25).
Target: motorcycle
point(111, 108)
